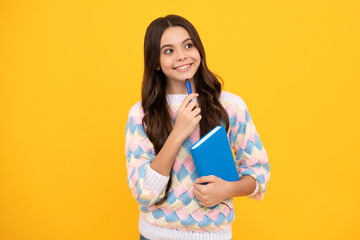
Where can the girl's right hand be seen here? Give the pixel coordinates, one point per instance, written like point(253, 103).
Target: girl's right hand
point(188, 116)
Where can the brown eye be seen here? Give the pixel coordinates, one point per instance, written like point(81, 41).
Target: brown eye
point(168, 51)
point(189, 45)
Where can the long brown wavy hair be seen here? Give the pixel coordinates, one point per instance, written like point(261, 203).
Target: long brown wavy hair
point(157, 121)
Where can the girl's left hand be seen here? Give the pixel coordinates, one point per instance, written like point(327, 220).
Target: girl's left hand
point(215, 191)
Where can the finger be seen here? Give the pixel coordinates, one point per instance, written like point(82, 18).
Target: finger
point(204, 204)
point(206, 179)
point(203, 189)
point(197, 194)
point(197, 187)
point(191, 105)
point(196, 112)
point(200, 198)
point(187, 99)
point(198, 118)
point(200, 189)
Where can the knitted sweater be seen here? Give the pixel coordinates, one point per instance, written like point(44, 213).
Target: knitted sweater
point(181, 216)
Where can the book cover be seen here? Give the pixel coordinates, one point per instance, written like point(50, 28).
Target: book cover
point(212, 155)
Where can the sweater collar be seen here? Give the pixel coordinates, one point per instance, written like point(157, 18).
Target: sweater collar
point(175, 99)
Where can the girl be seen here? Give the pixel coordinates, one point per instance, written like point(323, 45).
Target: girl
point(161, 128)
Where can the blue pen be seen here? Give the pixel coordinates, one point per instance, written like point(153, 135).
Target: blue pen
point(188, 86)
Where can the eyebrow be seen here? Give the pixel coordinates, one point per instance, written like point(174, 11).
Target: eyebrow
point(169, 45)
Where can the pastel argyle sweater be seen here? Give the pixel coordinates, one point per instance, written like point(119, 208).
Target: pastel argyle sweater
point(180, 216)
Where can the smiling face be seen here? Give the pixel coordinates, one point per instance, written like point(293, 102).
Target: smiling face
point(179, 59)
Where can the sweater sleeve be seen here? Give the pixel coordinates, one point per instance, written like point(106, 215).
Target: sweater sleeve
point(251, 157)
point(147, 186)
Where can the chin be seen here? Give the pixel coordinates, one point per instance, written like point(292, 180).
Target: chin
point(188, 76)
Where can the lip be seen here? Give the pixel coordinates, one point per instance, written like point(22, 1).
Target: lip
point(183, 70)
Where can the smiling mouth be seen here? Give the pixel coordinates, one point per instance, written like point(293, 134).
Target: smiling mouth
point(183, 68)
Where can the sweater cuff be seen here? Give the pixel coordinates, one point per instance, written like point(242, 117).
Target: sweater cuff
point(154, 181)
point(255, 191)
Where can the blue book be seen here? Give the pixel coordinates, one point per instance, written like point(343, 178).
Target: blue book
point(213, 156)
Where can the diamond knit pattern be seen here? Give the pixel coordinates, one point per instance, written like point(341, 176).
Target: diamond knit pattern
point(181, 210)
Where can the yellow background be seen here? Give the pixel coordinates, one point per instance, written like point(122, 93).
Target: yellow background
point(70, 71)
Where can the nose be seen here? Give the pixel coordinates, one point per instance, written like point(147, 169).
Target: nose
point(181, 56)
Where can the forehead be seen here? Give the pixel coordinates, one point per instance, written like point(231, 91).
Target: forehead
point(174, 35)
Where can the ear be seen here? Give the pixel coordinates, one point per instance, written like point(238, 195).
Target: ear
point(157, 68)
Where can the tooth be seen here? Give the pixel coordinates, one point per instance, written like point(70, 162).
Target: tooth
point(181, 68)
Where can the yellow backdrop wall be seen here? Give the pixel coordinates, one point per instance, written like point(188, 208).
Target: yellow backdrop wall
point(70, 71)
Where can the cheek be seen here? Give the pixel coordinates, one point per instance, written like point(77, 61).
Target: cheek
point(196, 55)
point(197, 58)
point(165, 63)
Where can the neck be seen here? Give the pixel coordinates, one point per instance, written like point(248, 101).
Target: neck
point(178, 87)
